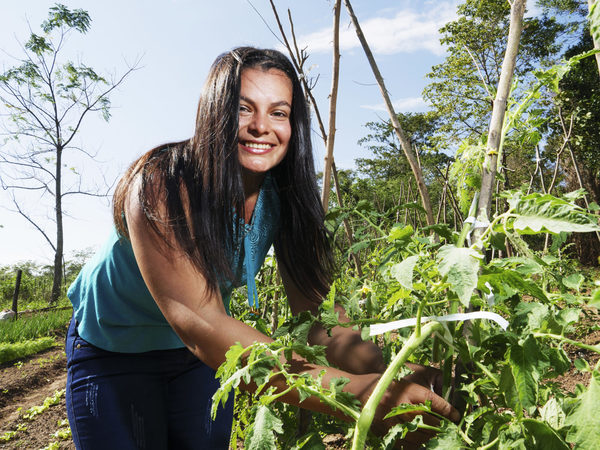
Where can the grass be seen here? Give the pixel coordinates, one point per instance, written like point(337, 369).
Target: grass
point(13, 351)
point(31, 334)
point(48, 323)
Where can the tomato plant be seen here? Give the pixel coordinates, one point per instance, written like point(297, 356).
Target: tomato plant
point(508, 382)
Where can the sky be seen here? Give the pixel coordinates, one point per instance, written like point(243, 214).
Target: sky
point(174, 43)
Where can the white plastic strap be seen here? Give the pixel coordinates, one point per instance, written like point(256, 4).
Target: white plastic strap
point(381, 328)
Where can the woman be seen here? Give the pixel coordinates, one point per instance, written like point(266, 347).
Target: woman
point(193, 220)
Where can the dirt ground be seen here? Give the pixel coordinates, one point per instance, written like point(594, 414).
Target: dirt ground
point(27, 383)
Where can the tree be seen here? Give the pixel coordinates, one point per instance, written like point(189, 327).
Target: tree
point(463, 86)
point(388, 178)
point(577, 113)
point(404, 141)
point(45, 100)
point(490, 164)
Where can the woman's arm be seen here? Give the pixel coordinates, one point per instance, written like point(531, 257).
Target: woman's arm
point(345, 346)
point(198, 315)
point(199, 318)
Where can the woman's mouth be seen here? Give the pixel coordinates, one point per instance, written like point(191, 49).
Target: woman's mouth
point(256, 147)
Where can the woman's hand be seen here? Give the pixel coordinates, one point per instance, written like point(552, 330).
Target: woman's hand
point(405, 391)
point(426, 376)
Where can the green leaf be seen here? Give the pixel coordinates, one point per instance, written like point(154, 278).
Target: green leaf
point(399, 233)
point(594, 18)
point(407, 408)
point(261, 435)
point(530, 317)
point(403, 271)
point(312, 353)
point(461, 267)
point(573, 281)
point(595, 300)
point(498, 241)
point(310, 441)
point(543, 437)
point(364, 205)
point(514, 280)
point(441, 230)
point(519, 380)
point(552, 414)
point(448, 438)
point(584, 420)
point(297, 326)
point(536, 213)
point(355, 248)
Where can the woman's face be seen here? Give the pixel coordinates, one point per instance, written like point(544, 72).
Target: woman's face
point(264, 119)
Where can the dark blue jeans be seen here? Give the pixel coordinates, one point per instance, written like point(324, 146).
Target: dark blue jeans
point(152, 400)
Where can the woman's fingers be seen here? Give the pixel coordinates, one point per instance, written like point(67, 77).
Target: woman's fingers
point(403, 392)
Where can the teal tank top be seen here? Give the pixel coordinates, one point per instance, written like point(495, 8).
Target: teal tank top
point(114, 309)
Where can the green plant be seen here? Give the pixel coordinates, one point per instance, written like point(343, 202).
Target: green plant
point(43, 324)
point(510, 396)
point(12, 351)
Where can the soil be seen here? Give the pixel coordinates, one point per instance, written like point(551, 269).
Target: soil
point(28, 382)
point(25, 384)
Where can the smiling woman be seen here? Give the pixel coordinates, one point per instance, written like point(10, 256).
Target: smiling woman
point(264, 127)
point(193, 220)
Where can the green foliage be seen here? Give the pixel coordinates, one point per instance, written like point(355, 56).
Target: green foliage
point(594, 18)
point(53, 400)
point(463, 86)
point(584, 423)
point(536, 213)
point(45, 101)
point(261, 433)
point(13, 351)
point(42, 324)
point(510, 390)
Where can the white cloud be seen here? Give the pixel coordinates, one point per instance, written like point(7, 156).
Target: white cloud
point(401, 105)
point(406, 31)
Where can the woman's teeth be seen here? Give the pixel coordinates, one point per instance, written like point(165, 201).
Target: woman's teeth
point(257, 145)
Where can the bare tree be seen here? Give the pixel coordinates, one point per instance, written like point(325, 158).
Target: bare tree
point(404, 141)
point(335, 76)
point(490, 165)
point(44, 102)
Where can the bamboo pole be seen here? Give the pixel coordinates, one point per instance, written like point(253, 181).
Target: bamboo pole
point(405, 143)
point(490, 165)
point(335, 76)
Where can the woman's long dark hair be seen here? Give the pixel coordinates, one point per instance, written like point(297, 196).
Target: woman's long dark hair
point(200, 182)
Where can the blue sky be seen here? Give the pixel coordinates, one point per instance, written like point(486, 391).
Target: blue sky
point(177, 40)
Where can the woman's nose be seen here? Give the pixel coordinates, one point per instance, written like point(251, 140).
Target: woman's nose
point(258, 124)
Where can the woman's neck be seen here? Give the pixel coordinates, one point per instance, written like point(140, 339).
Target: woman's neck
point(252, 183)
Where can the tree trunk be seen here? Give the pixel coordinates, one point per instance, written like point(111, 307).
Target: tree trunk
point(406, 146)
point(58, 255)
point(490, 165)
point(335, 76)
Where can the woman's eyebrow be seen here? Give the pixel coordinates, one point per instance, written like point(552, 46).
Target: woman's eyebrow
point(279, 103)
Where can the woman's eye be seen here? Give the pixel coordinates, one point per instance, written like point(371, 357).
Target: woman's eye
point(281, 114)
point(244, 108)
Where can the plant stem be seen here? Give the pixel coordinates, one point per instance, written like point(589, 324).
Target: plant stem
point(593, 348)
point(490, 445)
point(363, 424)
point(489, 374)
point(373, 224)
point(333, 403)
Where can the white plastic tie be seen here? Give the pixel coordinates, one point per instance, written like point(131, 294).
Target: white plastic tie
point(381, 328)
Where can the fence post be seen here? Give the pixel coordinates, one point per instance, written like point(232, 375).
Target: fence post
point(16, 293)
